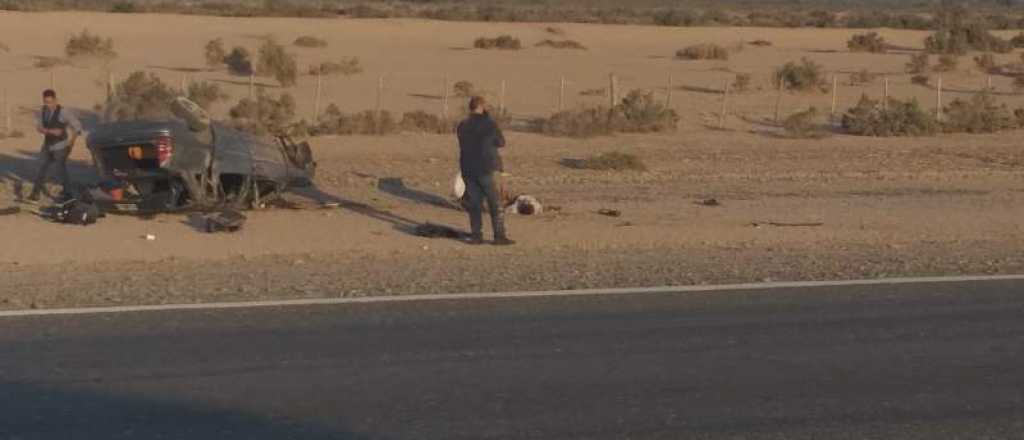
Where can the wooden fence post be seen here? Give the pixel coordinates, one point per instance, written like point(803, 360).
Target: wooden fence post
point(110, 85)
point(319, 89)
point(668, 100)
point(885, 93)
point(561, 94)
point(380, 95)
point(835, 88)
point(7, 114)
point(252, 85)
point(725, 103)
point(501, 99)
point(184, 84)
point(938, 100)
point(613, 90)
point(444, 97)
point(778, 98)
point(989, 83)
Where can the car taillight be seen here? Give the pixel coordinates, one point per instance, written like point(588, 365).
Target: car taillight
point(164, 150)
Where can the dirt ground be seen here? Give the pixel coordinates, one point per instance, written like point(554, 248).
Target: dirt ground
point(888, 207)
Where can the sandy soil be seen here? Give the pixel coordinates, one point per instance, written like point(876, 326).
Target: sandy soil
point(889, 207)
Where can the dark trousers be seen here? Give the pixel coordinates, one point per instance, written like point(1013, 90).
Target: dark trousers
point(58, 158)
point(479, 188)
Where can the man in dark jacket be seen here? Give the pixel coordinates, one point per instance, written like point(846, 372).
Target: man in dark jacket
point(479, 141)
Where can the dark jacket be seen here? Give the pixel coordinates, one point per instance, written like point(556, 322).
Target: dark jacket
point(479, 140)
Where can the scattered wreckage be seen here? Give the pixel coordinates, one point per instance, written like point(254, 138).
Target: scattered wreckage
point(149, 167)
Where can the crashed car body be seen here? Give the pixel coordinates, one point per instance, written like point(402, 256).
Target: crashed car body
point(163, 166)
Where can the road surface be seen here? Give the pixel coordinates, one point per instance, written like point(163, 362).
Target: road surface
point(919, 361)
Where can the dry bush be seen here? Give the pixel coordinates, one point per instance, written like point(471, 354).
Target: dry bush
point(1018, 83)
point(947, 63)
point(586, 122)
point(805, 125)
point(239, 62)
point(600, 91)
point(921, 80)
point(347, 67)
point(214, 53)
point(918, 63)
point(562, 44)
point(278, 63)
point(760, 43)
point(869, 42)
point(205, 94)
point(980, 114)
point(899, 118)
point(742, 82)
point(638, 112)
point(264, 114)
point(804, 76)
point(959, 31)
point(703, 52)
point(611, 161)
point(369, 122)
point(504, 42)
point(986, 62)
point(1017, 40)
point(422, 121)
point(310, 42)
point(464, 89)
point(88, 45)
point(140, 96)
point(50, 62)
point(863, 77)
point(554, 30)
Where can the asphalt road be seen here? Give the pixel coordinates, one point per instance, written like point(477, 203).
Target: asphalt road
point(910, 361)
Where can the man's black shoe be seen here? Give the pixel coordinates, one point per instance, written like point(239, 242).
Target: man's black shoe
point(503, 241)
point(475, 240)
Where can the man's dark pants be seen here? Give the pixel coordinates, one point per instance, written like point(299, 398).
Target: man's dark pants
point(58, 158)
point(479, 188)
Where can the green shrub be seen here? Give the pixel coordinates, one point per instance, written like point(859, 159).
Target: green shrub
point(804, 125)
point(979, 114)
point(638, 112)
point(804, 76)
point(123, 8)
point(562, 44)
point(264, 114)
point(239, 62)
point(585, 122)
point(205, 94)
point(276, 62)
point(959, 33)
point(140, 96)
point(310, 42)
point(347, 66)
point(703, 52)
point(918, 63)
point(947, 63)
point(504, 42)
point(869, 42)
point(899, 118)
point(214, 53)
point(611, 161)
point(87, 45)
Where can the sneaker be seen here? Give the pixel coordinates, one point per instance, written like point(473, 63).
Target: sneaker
point(475, 241)
point(503, 241)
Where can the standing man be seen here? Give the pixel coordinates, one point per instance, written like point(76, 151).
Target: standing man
point(60, 128)
point(479, 140)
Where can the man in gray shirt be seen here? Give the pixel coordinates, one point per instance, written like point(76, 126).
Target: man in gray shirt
point(60, 129)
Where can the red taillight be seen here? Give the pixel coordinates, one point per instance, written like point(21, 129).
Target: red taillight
point(164, 150)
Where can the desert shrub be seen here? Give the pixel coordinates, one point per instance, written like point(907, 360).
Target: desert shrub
point(979, 114)
point(741, 83)
point(123, 8)
point(703, 52)
point(278, 63)
point(921, 80)
point(985, 62)
point(957, 32)
point(611, 161)
point(554, 30)
point(918, 63)
point(947, 63)
point(760, 43)
point(899, 118)
point(600, 91)
point(88, 45)
point(425, 122)
point(205, 94)
point(214, 53)
point(140, 96)
point(562, 44)
point(675, 17)
point(368, 122)
point(310, 42)
point(464, 89)
point(869, 42)
point(505, 42)
point(585, 122)
point(863, 77)
point(347, 67)
point(1017, 40)
point(239, 62)
point(1018, 83)
point(804, 76)
point(804, 125)
point(638, 112)
point(49, 62)
point(264, 114)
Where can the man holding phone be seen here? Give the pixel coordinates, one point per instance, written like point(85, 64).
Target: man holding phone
point(60, 129)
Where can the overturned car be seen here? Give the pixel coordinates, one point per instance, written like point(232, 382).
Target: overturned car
point(191, 163)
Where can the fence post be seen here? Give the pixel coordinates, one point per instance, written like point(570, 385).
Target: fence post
point(501, 99)
point(938, 100)
point(561, 94)
point(613, 89)
point(110, 85)
point(725, 103)
point(184, 84)
point(252, 85)
point(778, 98)
point(835, 88)
point(444, 97)
point(7, 114)
point(668, 100)
point(885, 93)
point(319, 89)
point(53, 80)
point(989, 83)
point(380, 95)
